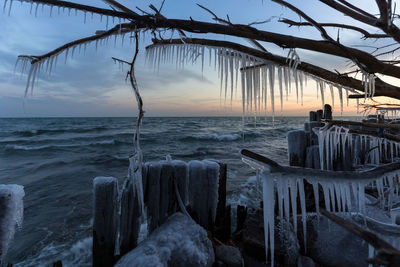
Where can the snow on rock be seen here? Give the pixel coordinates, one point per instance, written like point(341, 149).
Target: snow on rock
point(11, 214)
point(178, 242)
point(340, 195)
point(332, 245)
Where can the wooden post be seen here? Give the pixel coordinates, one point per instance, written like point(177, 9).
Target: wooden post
point(327, 112)
point(222, 230)
point(129, 220)
point(297, 143)
point(167, 192)
point(105, 220)
point(320, 114)
point(313, 116)
point(153, 194)
point(240, 217)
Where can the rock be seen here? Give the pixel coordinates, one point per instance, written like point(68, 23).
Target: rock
point(297, 143)
point(286, 243)
point(178, 242)
point(305, 262)
point(229, 255)
point(328, 244)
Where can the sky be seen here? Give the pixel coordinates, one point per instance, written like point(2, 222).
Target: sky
point(90, 84)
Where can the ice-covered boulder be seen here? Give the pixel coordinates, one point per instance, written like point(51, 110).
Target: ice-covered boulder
point(11, 214)
point(178, 242)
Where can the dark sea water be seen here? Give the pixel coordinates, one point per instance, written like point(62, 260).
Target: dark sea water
point(56, 159)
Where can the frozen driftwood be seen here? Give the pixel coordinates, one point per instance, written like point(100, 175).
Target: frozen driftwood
point(105, 220)
point(274, 167)
point(178, 242)
point(11, 214)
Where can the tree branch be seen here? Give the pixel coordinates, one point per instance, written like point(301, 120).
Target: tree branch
point(245, 31)
point(337, 25)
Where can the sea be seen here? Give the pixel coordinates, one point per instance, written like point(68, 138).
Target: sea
point(56, 159)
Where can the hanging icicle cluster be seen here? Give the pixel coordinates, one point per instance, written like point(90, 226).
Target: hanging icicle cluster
point(336, 141)
point(369, 84)
point(339, 194)
point(259, 78)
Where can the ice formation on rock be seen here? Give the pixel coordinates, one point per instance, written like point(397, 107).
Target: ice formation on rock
point(340, 195)
point(11, 211)
point(336, 142)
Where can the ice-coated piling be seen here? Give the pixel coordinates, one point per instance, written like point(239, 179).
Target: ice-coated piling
point(181, 175)
point(105, 220)
point(320, 114)
point(222, 229)
point(11, 214)
point(327, 112)
point(312, 157)
point(167, 192)
point(297, 143)
point(313, 116)
point(129, 218)
point(203, 190)
point(153, 194)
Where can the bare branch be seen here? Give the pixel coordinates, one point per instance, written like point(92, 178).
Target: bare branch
point(383, 23)
point(337, 25)
point(120, 7)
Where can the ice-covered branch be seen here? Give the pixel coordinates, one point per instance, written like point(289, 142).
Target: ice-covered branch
point(381, 88)
point(75, 6)
point(48, 61)
point(136, 160)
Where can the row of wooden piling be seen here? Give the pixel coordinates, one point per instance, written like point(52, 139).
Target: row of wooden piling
point(117, 214)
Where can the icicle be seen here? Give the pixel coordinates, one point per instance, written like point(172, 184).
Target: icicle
point(332, 95)
point(286, 79)
point(301, 78)
point(271, 88)
point(321, 87)
point(269, 216)
point(280, 86)
point(297, 85)
point(303, 210)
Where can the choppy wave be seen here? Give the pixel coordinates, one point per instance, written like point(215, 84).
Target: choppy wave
point(30, 133)
point(215, 137)
point(53, 146)
point(79, 254)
